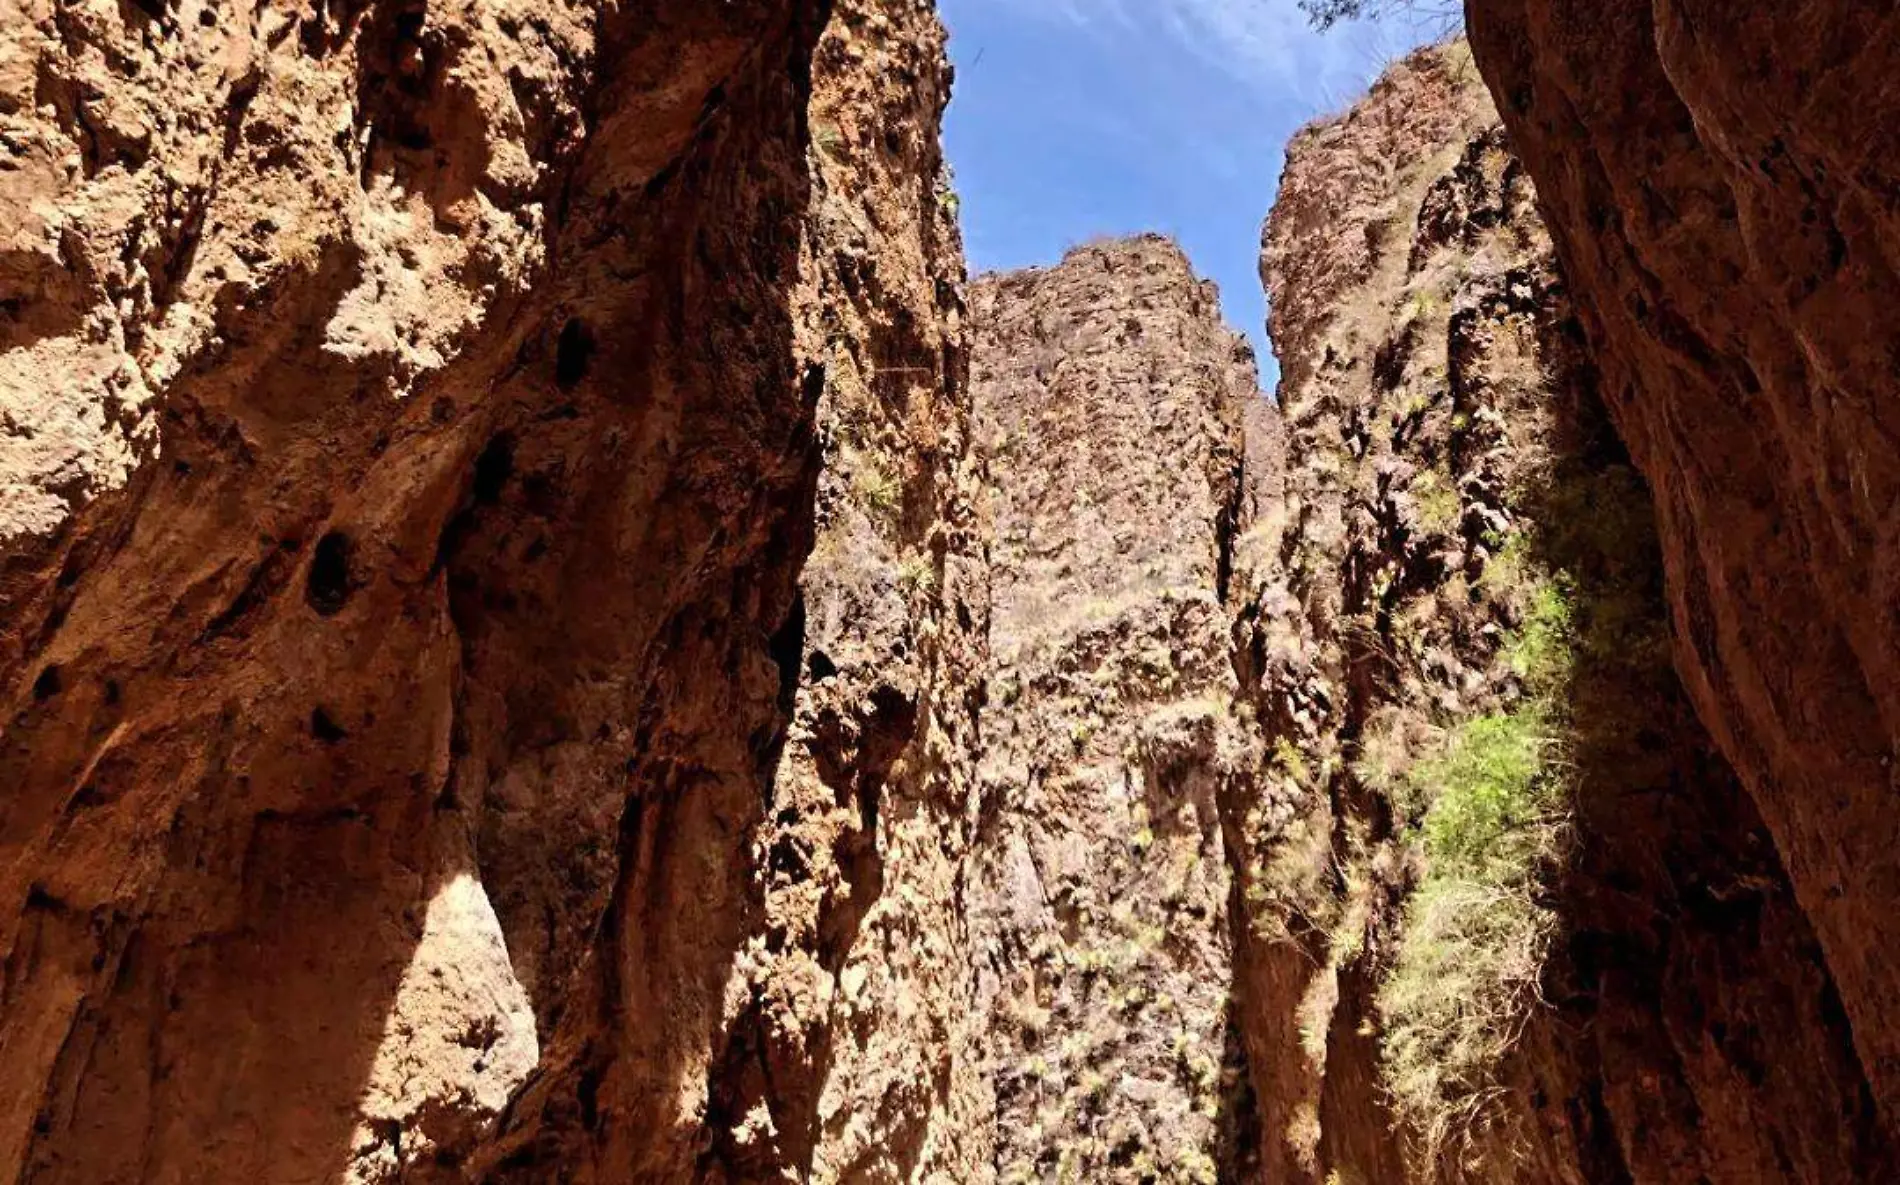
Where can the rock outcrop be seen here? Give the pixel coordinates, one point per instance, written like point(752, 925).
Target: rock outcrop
point(1112, 399)
point(1513, 917)
point(1720, 184)
point(852, 1056)
point(418, 420)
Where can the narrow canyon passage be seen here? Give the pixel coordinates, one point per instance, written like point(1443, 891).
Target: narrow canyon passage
point(549, 631)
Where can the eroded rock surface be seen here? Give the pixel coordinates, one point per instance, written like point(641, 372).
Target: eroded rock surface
point(417, 420)
point(851, 1049)
point(1112, 399)
point(1513, 917)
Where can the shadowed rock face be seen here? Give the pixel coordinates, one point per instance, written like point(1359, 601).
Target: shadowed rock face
point(1456, 509)
point(417, 422)
point(1720, 182)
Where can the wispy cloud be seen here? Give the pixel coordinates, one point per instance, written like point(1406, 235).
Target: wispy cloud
point(1265, 44)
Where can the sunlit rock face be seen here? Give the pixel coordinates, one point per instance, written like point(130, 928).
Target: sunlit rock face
point(458, 1041)
point(417, 422)
point(1111, 399)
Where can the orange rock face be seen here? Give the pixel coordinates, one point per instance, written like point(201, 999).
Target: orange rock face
point(1720, 183)
point(417, 420)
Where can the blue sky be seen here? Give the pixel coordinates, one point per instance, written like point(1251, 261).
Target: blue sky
point(1078, 118)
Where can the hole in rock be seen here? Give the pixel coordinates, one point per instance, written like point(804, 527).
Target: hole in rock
point(324, 728)
point(329, 588)
point(572, 353)
point(786, 646)
point(493, 469)
point(48, 684)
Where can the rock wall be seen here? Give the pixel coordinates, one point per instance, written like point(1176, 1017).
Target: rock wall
point(1337, 264)
point(1719, 181)
point(1513, 917)
point(529, 650)
point(1112, 398)
point(852, 1056)
point(417, 420)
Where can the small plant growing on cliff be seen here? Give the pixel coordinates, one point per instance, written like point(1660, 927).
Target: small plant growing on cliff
point(1421, 305)
point(828, 138)
point(1080, 734)
point(876, 489)
point(1287, 756)
point(1439, 507)
point(1541, 651)
point(1196, 1166)
point(947, 199)
point(917, 574)
point(1491, 797)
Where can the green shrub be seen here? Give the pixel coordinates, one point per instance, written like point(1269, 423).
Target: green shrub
point(917, 574)
point(1543, 649)
point(1287, 756)
point(1420, 305)
point(877, 490)
point(1466, 971)
point(1456, 999)
point(1491, 797)
point(949, 201)
point(1439, 507)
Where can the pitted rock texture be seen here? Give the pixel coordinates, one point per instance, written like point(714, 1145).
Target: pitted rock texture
point(1111, 397)
point(418, 418)
point(1719, 181)
point(851, 1055)
point(1457, 511)
point(192, 189)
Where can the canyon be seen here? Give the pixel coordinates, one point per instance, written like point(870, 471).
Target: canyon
point(549, 632)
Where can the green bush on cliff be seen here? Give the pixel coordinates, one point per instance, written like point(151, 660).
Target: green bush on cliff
point(1456, 999)
point(1439, 506)
point(1542, 651)
point(1490, 798)
point(1467, 967)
